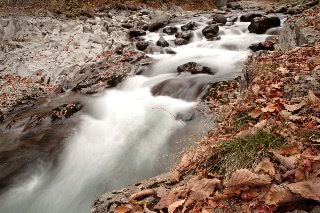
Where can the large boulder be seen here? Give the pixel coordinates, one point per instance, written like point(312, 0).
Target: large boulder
point(249, 17)
point(158, 20)
point(194, 68)
point(162, 42)
point(260, 25)
point(170, 30)
point(211, 31)
point(189, 26)
point(218, 18)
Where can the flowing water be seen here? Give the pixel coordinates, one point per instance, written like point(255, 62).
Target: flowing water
point(128, 134)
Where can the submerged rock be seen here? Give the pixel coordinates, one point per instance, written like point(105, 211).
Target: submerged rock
point(194, 68)
point(186, 35)
point(260, 25)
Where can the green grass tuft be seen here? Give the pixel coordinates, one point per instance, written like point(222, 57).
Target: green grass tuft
point(240, 153)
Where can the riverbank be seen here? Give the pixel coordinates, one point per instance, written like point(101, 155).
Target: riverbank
point(263, 154)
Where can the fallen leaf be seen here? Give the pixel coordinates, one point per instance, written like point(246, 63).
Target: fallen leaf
point(269, 108)
point(201, 188)
point(265, 167)
point(175, 205)
point(294, 107)
point(279, 194)
point(245, 178)
point(288, 162)
point(288, 150)
point(309, 189)
point(122, 209)
point(175, 177)
point(255, 89)
point(170, 198)
point(313, 98)
point(299, 175)
point(255, 113)
point(144, 193)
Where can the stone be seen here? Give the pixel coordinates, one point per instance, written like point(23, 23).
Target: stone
point(211, 30)
point(170, 30)
point(186, 35)
point(189, 26)
point(136, 33)
point(260, 25)
point(162, 42)
point(249, 17)
point(219, 18)
point(158, 20)
point(142, 45)
point(194, 68)
point(262, 46)
point(180, 41)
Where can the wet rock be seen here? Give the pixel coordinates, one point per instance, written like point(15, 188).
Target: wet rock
point(194, 68)
point(145, 12)
point(142, 45)
point(281, 9)
point(65, 111)
point(295, 10)
point(170, 30)
point(136, 33)
point(219, 18)
point(189, 26)
point(162, 42)
point(260, 25)
point(180, 41)
point(296, 32)
point(158, 20)
point(186, 35)
point(127, 25)
point(211, 31)
point(268, 45)
point(249, 17)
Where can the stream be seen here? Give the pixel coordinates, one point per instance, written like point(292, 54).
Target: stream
point(127, 134)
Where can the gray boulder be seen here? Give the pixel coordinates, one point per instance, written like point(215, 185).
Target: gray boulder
point(194, 68)
point(260, 25)
point(162, 42)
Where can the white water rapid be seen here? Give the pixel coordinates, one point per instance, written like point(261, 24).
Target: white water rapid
point(128, 132)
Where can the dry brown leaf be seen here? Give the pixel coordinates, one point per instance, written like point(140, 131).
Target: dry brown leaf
point(280, 195)
point(122, 209)
point(288, 150)
point(265, 167)
point(161, 192)
point(146, 192)
point(256, 89)
point(269, 108)
point(313, 98)
point(201, 188)
point(175, 177)
point(170, 198)
point(294, 107)
point(245, 178)
point(255, 113)
point(288, 162)
point(275, 195)
point(309, 189)
point(283, 70)
point(299, 175)
point(175, 205)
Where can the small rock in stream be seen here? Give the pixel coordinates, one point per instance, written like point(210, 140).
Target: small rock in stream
point(260, 25)
point(142, 45)
point(218, 18)
point(210, 31)
point(162, 42)
point(170, 30)
point(189, 26)
point(194, 68)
